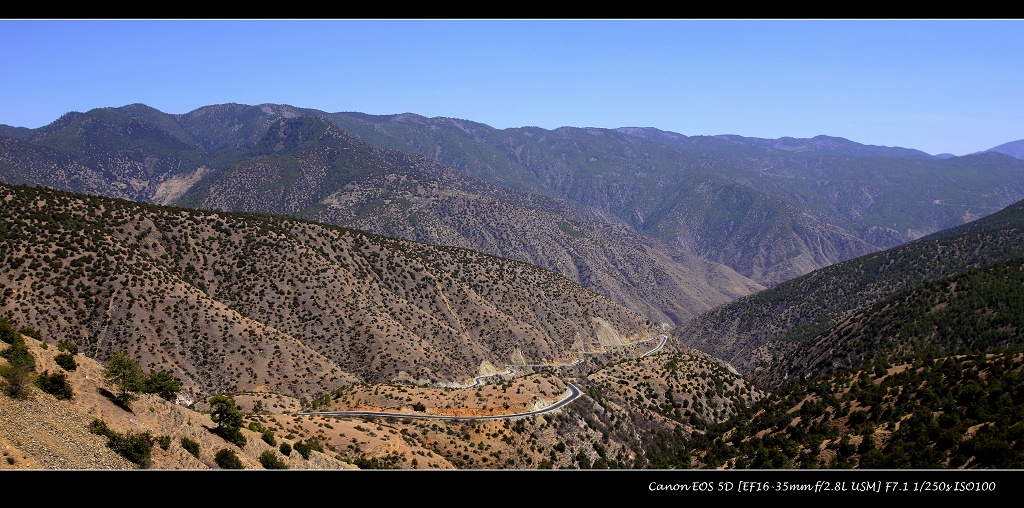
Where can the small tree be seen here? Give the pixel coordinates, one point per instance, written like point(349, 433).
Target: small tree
point(228, 418)
point(124, 372)
point(163, 384)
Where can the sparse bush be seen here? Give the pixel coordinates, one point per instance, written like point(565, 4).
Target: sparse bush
point(66, 346)
point(66, 361)
point(17, 379)
point(270, 460)
point(190, 446)
point(227, 459)
point(305, 448)
point(137, 448)
point(164, 442)
point(55, 384)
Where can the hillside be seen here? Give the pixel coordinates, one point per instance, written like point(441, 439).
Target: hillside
point(284, 160)
point(770, 209)
point(617, 422)
point(232, 302)
point(761, 334)
point(310, 168)
point(952, 412)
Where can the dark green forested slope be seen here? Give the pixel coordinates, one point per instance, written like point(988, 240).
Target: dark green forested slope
point(756, 333)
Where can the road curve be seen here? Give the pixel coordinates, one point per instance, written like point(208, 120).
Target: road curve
point(574, 394)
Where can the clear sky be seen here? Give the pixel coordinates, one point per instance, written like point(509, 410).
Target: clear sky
point(935, 85)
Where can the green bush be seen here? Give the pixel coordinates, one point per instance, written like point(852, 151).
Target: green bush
point(269, 460)
point(31, 332)
point(100, 427)
point(17, 354)
point(66, 346)
point(137, 448)
point(7, 333)
point(190, 446)
point(164, 442)
point(228, 459)
point(286, 449)
point(55, 384)
point(267, 434)
point(66, 361)
point(305, 448)
point(17, 379)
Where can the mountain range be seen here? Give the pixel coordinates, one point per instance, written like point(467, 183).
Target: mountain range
point(291, 256)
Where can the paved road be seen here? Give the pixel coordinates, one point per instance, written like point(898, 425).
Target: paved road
point(574, 394)
point(664, 339)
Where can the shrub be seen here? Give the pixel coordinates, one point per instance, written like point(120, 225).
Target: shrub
point(164, 442)
point(100, 427)
point(269, 460)
point(268, 437)
point(18, 355)
point(55, 384)
point(304, 448)
point(137, 448)
point(32, 332)
point(267, 434)
point(66, 361)
point(286, 449)
point(7, 333)
point(18, 380)
point(66, 346)
point(228, 459)
point(190, 446)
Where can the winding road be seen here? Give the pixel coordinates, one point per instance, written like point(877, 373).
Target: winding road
point(573, 394)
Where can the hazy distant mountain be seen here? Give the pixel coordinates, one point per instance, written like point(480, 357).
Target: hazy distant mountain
point(1013, 149)
point(770, 209)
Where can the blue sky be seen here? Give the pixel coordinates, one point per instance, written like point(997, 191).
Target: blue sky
point(935, 85)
